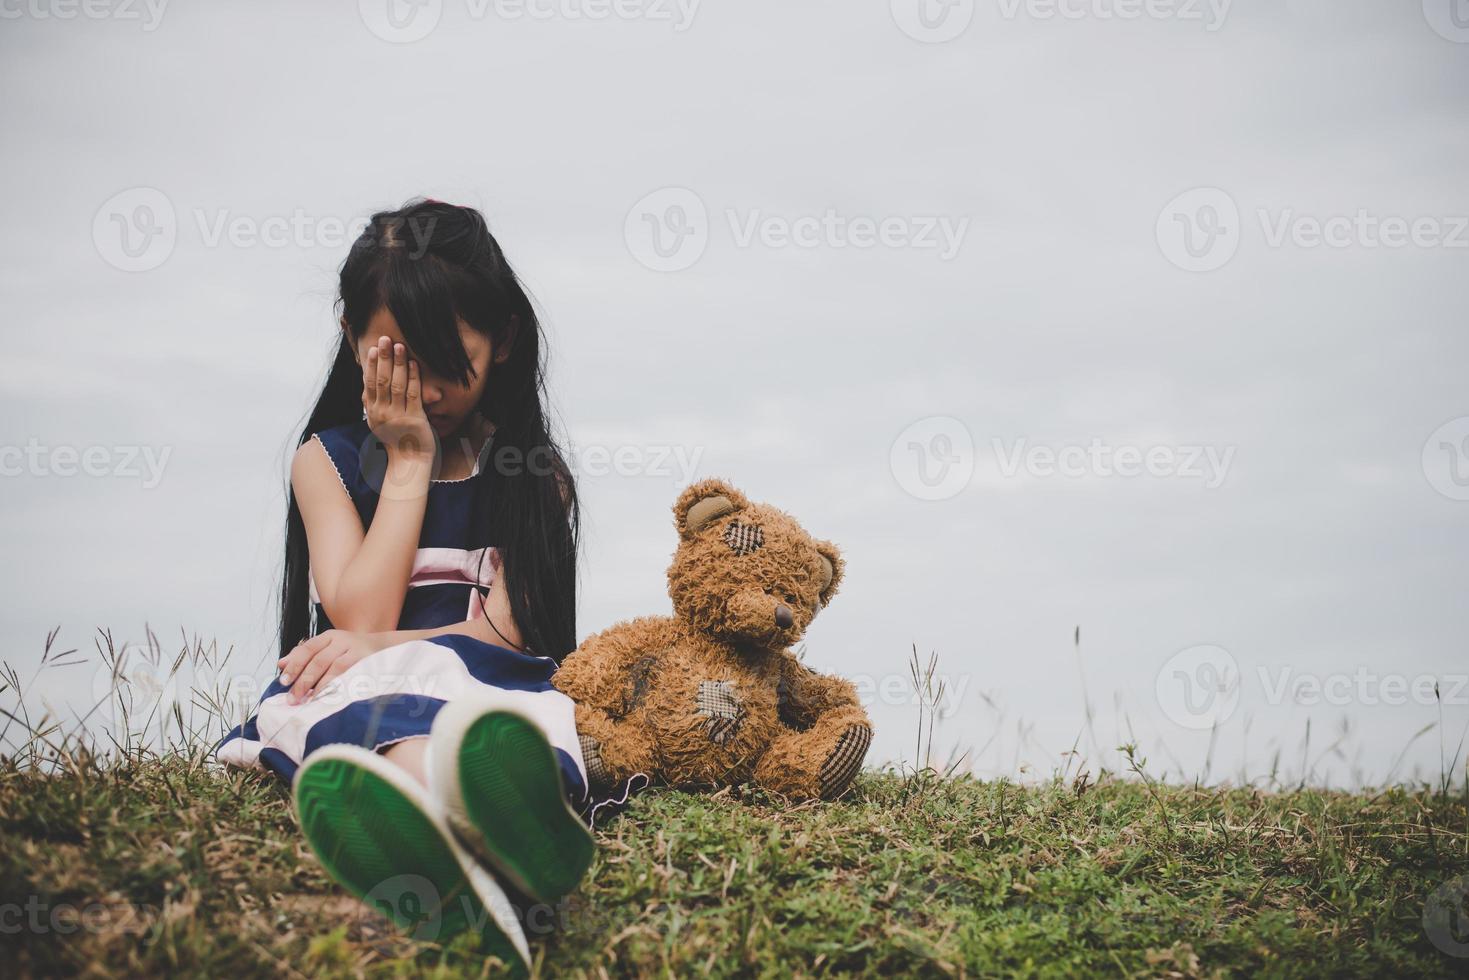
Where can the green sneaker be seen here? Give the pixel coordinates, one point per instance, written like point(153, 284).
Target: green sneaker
point(379, 833)
point(500, 784)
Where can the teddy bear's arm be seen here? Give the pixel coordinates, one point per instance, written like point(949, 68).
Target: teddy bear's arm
point(609, 670)
point(805, 695)
point(820, 761)
point(822, 752)
point(607, 677)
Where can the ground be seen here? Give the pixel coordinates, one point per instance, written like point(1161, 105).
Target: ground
point(148, 866)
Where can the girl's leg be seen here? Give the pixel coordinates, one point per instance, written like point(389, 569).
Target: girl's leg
point(377, 831)
point(408, 756)
point(502, 784)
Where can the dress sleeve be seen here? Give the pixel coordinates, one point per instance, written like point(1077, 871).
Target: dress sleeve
point(345, 446)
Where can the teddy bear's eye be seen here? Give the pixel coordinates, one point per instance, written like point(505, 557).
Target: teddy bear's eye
point(743, 538)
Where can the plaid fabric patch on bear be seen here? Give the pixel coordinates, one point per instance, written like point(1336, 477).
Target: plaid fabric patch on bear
point(717, 701)
point(743, 538)
point(591, 755)
point(842, 765)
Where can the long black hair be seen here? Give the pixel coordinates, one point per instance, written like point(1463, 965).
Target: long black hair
point(432, 264)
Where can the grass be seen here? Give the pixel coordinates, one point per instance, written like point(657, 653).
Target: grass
point(139, 862)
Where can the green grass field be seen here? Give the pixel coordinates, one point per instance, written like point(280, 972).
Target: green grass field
point(117, 859)
point(169, 866)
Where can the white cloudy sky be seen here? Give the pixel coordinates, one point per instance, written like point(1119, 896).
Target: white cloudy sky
point(1331, 546)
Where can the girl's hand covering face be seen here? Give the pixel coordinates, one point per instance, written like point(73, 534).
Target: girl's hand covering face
point(316, 662)
point(392, 396)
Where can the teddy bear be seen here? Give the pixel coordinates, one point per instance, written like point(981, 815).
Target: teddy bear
point(712, 696)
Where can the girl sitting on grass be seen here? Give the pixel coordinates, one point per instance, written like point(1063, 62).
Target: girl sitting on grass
point(430, 558)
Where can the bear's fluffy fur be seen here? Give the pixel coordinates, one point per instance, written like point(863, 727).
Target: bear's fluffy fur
point(712, 696)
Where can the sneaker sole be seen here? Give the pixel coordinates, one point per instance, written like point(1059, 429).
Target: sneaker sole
point(378, 842)
point(512, 794)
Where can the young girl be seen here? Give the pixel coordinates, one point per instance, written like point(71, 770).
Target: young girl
point(431, 559)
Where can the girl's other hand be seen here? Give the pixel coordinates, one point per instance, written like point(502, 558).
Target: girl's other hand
point(316, 662)
point(391, 394)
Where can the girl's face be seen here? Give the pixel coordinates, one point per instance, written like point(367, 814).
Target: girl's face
point(447, 403)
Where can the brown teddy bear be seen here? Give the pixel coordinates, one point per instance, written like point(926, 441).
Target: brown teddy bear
point(712, 696)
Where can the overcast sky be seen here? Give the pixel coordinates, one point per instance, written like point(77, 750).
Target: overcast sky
point(1147, 318)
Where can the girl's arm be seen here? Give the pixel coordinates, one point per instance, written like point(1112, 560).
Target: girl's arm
point(314, 663)
point(362, 576)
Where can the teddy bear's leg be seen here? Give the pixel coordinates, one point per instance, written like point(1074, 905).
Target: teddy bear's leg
point(611, 751)
point(821, 761)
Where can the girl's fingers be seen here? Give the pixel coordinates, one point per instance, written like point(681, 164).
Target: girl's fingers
point(415, 388)
point(384, 371)
point(398, 387)
point(369, 377)
point(312, 673)
point(338, 668)
point(290, 665)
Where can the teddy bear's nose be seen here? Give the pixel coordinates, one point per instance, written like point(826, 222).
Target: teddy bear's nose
point(784, 617)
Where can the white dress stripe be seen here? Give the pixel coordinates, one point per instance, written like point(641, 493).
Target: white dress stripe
point(418, 667)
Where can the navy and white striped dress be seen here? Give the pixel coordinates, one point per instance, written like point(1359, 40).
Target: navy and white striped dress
point(395, 693)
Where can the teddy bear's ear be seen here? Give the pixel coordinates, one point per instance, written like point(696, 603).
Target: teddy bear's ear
point(832, 567)
point(705, 501)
